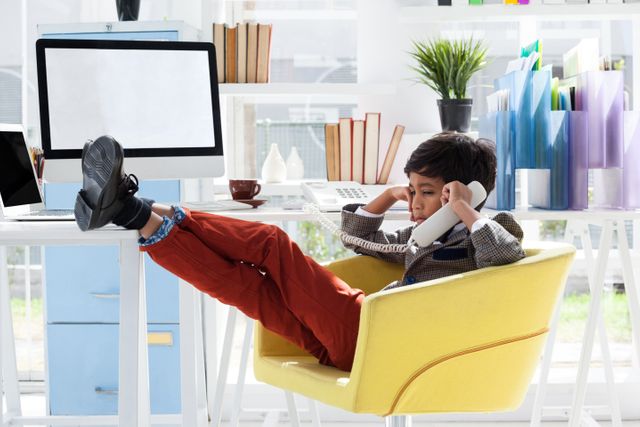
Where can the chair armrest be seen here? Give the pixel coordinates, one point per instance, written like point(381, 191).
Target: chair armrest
point(363, 272)
point(406, 330)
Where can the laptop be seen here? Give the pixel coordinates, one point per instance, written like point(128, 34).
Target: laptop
point(20, 197)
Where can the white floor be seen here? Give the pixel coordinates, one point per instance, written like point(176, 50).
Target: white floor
point(34, 405)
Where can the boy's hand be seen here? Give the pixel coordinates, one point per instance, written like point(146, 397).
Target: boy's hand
point(455, 191)
point(384, 201)
point(459, 196)
point(402, 192)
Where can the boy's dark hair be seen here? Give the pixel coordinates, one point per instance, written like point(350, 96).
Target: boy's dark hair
point(455, 157)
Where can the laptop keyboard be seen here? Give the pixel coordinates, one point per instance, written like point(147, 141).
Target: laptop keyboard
point(52, 212)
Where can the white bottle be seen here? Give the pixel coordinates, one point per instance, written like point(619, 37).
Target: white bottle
point(295, 167)
point(274, 169)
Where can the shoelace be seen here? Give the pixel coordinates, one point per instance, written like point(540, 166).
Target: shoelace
point(129, 186)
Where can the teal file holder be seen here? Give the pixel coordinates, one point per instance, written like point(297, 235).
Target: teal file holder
point(631, 171)
point(499, 127)
point(541, 118)
point(578, 161)
point(559, 160)
point(530, 100)
point(601, 95)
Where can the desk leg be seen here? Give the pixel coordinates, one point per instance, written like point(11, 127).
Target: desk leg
point(201, 387)
point(633, 300)
point(545, 367)
point(223, 370)
point(590, 330)
point(188, 355)
point(8, 366)
point(242, 374)
point(210, 313)
point(616, 417)
point(133, 400)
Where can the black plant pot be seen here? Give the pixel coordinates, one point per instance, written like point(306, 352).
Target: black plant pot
point(128, 9)
point(455, 114)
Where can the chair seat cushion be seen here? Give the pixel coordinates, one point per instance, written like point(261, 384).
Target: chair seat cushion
point(304, 375)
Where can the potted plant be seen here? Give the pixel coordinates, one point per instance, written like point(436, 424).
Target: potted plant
point(446, 67)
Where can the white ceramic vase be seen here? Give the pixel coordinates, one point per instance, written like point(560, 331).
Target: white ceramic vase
point(274, 168)
point(295, 167)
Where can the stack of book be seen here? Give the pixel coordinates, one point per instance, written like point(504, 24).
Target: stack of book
point(242, 52)
point(352, 150)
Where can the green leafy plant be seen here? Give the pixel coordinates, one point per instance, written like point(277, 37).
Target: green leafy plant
point(447, 65)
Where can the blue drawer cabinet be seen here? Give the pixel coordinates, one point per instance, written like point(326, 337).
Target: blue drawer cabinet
point(83, 369)
point(82, 315)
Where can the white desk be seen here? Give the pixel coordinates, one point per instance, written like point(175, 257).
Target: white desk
point(133, 402)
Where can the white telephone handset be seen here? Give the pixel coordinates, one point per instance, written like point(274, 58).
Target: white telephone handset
point(423, 235)
point(438, 223)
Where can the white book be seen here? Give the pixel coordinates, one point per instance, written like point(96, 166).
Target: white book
point(357, 151)
point(371, 145)
point(241, 55)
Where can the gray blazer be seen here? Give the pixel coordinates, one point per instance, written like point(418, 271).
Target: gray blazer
point(458, 251)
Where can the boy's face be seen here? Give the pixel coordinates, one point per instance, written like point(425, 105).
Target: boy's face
point(426, 194)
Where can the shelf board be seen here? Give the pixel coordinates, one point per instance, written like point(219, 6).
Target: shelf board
point(502, 12)
point(306, 89)
point(300, 15)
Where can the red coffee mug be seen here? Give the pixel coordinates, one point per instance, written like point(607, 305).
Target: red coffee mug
point(244, 189)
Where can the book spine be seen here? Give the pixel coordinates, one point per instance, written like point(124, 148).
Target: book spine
point(241, 55)
point(372, 143)
point(230, 60)
point(219, 36)
point(392, 150)
point(264, 47)
point(330, 136)
point(345, 148)
point(252, 52)
point(358, 147)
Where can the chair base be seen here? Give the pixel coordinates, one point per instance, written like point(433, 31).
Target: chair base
point(397, 421)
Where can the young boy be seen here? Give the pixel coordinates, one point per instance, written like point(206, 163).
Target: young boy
point(258, 269)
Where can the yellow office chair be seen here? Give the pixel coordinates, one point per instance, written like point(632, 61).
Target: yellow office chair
point(464, 343)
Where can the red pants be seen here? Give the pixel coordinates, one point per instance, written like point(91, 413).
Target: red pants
point(258, 269)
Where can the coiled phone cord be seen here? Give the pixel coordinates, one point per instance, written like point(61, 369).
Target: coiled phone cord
point(349, 239)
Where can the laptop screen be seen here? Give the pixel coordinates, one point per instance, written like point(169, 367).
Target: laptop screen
point(18, 184)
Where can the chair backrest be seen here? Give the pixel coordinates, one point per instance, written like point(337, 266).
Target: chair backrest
point(468, 342)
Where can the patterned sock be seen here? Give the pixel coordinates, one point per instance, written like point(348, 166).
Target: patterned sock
point(135, 213)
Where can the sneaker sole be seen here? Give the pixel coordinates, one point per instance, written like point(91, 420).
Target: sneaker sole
point(103, 165)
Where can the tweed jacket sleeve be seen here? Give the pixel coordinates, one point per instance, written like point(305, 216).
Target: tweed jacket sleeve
point(498, 241)
point(368, 228)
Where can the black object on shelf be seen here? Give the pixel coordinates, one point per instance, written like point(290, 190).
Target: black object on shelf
point(455, 114)
point(128, 9)
point(444, 2)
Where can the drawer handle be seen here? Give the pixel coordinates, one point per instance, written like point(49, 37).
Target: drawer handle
point(105, 296)
point(160, 338)
point(106, 391)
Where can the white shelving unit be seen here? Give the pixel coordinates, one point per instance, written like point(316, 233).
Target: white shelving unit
point(507, 13)
point(305, 89)
point(301, 15)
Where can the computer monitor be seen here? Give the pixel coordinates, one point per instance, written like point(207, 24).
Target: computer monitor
point(159, 99)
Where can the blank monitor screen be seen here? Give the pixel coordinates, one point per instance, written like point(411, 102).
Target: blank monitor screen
point(158, 99)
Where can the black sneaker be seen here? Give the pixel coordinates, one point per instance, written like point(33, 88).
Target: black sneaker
point(101, 196)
